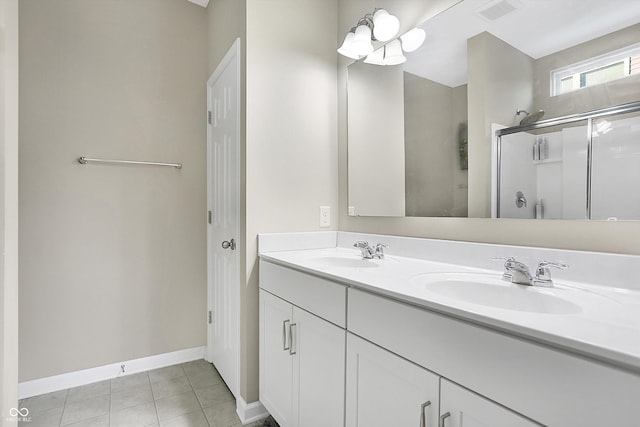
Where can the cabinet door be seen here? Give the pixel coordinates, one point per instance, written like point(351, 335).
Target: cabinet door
point(463, 408)
point(386, 390)
point(276, 362)
point(319, 370)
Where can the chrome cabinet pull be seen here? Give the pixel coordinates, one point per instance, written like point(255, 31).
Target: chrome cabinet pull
point(444, 417)
point(291, 346)
point(423, 417)
point(284, 336)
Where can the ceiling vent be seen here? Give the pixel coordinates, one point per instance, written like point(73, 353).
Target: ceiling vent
point(497, 9)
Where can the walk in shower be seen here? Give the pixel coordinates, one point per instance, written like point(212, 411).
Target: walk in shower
point(582, 166)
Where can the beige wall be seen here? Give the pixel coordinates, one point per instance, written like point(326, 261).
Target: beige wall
point(500, 82)
point(9, 210)
point(226, 22)
point(112, 257)
point(292, 163)
point(620, 237)
point(605, 95)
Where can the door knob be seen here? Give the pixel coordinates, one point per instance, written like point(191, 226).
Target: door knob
point(229, 244)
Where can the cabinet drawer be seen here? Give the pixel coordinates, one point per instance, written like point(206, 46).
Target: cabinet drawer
point(321, 297)
point(550, 386)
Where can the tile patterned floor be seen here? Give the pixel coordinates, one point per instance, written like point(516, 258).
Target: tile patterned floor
point(187, 395)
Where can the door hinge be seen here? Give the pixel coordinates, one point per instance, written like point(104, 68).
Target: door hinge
point(209, 117)
point(210, 217)
point(210, 315)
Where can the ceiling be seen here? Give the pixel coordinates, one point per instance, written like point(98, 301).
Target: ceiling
point(535, 27)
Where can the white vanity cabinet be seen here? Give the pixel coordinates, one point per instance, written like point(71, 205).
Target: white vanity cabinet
point(415, 365)
point(302, 355)
point(385, 390)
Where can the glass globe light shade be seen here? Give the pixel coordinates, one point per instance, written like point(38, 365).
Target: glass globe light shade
point(361, 43)
point(346, 49)
point(413, 39)
point(385, 26)
point(393, 53)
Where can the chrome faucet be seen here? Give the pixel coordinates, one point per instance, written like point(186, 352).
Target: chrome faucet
point(370, 253)
point(518, 272)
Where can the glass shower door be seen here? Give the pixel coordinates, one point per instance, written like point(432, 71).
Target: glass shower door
point(615, 170)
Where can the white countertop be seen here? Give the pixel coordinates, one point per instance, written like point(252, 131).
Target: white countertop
point(605, 326)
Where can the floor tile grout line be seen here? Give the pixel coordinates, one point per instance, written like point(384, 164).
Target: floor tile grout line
point(64, 407)
point(153, 397)
point(110, 397)
point(196, 394)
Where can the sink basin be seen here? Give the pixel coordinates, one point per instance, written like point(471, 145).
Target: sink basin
point(492, 291)
point(345, 262)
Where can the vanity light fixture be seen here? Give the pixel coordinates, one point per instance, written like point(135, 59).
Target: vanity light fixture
point(376, 26)
point(380, 26)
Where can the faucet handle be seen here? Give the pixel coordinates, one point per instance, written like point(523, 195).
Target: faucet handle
point(379, 250)
point(361, 244)
point(559, 265)
point(543, 273)
point(507, 260)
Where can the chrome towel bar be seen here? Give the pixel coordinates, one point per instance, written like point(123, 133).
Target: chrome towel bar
point(85, 160)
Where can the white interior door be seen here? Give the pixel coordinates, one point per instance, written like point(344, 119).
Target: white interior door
point(223, 199)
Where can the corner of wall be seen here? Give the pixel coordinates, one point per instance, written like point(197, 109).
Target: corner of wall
point(9, 207)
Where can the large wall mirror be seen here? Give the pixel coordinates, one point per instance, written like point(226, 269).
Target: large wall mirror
point(422, 135)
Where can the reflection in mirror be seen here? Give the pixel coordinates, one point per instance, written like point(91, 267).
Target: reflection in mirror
point(412, 159)
point(481, 62)
point(376, 140)
point(582, 169)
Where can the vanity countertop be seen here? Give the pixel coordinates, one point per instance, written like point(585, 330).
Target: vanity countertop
point(600, 322)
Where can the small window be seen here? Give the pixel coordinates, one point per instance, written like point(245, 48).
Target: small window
point(605, 68)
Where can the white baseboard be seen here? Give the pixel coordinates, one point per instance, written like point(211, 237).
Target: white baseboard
point(250, 412)
point(107, 372)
